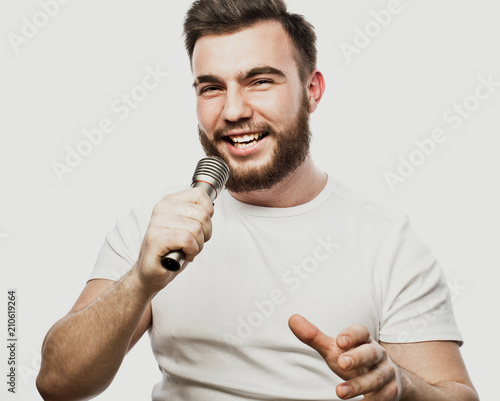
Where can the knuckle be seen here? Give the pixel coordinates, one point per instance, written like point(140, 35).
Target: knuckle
point(360, 387)
point(208, 235)
point(198, 232)
point(205, 216)
point(155, 210)
point(208, 230)
point(359, 333)
point(360, 328)
point(155, 222)
point(189, 243)
point(184, 237)
point(393, 391)
point(193, 241)
point(379, 379)
point(200, 194)
point(183, 209)
point(159, 205)
point(391, 370)
point(153, 236)
point(368, 355)
point(374, 353)
point(164, 203)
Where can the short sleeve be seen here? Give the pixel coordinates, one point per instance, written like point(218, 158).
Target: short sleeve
point(122, 244)
point(416, 302)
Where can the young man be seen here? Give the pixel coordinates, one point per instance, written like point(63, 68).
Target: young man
point(288, 241)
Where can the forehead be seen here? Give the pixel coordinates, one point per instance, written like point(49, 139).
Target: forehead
point(264, 43)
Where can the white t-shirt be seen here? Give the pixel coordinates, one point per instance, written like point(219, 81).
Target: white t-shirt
point(220, 328)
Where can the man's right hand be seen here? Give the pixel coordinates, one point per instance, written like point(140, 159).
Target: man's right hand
point(179, 221)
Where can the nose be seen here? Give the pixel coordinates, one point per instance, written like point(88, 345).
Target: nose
point(236, 106)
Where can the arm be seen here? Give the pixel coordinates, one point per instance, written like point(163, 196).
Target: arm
point(83, 351)
point(434, 370)
point(428, 371)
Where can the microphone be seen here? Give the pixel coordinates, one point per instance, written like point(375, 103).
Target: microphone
point(211, 174)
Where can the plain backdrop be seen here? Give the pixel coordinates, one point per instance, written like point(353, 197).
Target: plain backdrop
point(427, 61)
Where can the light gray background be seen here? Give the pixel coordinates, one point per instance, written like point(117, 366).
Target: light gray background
point(392, 93)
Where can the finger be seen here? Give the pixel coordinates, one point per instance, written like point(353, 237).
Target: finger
point(203, 199)
point(389, 392)
point(363, 356)
point(183, 231)
point(190, 217)
point(161, 241)
point(310, 335)
point(204, 216)
point(165, 213)
point(353, 336)
point(192, 195)
point(182, 207)
point(190, 245)
point(373, 380)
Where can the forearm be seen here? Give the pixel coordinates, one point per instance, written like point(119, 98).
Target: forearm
point(417, 389)
point(83, 351)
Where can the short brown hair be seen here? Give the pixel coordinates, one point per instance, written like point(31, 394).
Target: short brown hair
point(227, 16)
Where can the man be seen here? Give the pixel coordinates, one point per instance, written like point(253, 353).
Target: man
point(288, 241)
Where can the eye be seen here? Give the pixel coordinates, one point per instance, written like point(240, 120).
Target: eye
point(263, 82)
point(208, 89)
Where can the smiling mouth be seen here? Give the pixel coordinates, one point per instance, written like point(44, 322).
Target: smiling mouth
point(246, 140)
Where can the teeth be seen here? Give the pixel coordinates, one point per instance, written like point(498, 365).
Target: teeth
point(245, 138)
point(243, 145)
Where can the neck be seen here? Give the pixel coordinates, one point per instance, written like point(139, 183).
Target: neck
point(299, 187)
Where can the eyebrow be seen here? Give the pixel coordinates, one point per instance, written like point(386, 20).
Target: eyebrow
point(242, 76)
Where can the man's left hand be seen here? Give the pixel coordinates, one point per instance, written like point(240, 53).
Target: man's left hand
point(355, 357)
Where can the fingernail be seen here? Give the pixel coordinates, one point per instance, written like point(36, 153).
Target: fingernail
point(344, 341)
point(345, 391)
point(348, 362)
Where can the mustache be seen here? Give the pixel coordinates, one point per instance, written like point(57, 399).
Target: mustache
point(264, 127)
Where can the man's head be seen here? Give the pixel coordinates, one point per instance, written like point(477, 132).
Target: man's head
point(217, 17)
point(254, 89)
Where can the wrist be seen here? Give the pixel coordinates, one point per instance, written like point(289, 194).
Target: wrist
point(139, 285)
point(407, 386)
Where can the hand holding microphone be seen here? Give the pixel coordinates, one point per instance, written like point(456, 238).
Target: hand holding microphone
point(211, 175)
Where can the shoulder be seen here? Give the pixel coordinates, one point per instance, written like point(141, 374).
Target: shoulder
point(356, 209)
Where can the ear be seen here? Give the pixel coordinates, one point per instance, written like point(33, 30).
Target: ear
point(315, 89)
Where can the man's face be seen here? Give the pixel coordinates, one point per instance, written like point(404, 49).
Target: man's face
point(252, 108)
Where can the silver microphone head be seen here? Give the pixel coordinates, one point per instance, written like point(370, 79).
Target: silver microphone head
point(211, 173)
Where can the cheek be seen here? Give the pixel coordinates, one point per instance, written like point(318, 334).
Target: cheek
point(208, 113)
point(279, 110)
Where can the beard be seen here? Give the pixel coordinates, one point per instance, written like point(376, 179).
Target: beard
point(292, 149)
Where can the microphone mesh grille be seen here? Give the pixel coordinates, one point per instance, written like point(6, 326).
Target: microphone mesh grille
point(212, 169)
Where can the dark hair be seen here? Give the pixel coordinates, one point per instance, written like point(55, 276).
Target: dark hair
point(228, 16)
